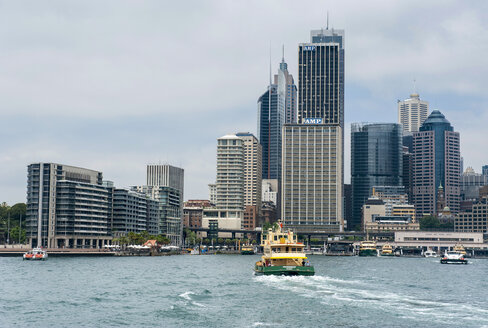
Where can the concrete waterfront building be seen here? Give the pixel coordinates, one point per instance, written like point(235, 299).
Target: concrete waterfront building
point(230, 172)
point(134, 212)
point(436, 163)
point(376, 160)
point(252, 179)
point(312, 177)
point(475, 219)
point(165, 183)
point(67, 206)
point(412, 112)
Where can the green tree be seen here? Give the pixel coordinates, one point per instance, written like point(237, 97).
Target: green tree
point(14, 235)
point(429, 222)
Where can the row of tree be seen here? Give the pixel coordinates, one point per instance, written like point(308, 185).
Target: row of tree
point(12, 223)
point(134, 238)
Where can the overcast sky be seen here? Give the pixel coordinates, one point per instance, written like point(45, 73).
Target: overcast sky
point(115, 85)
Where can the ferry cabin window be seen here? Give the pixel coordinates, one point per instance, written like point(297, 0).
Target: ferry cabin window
point(275, 237)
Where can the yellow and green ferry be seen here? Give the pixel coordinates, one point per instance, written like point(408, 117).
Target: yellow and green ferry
point(247, 250)
point(387, 250)
point(368, 248)
point(283, 255)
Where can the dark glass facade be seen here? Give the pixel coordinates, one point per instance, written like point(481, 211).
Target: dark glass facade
point(376, 160)
point(271, 117)
point(321, 77)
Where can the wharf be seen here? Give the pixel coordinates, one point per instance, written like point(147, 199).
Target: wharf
point(54, 252)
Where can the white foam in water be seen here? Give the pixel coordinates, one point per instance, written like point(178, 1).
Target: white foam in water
point(187, 296)
point(326, 288)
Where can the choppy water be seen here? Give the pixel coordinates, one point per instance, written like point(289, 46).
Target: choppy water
point(221, 291)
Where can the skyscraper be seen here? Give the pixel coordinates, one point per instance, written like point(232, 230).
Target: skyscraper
point(436, 163)
point(321, 77)
point(252, 179)
point(376, 160)
point(412, 112)
point(313, 151)
point(287, 90)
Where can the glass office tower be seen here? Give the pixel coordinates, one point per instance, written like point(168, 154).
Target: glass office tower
point(376, 160)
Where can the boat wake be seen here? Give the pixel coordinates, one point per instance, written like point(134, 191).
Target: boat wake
point(191, 298)
point(333, 291)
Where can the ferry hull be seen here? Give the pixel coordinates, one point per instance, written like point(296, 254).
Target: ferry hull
point(247, 252)
point(285, 270)
point(368, 252)
point(387, 254)
point(453, 261)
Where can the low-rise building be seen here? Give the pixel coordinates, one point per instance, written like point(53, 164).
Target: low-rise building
point(474, 220)
point(372, 208)
point(391, 223)
point(406, 210)
point(193, 213)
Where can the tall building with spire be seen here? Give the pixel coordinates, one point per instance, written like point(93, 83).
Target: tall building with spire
point(412, 112)
point(436, 162)
point(313, 149)
point(276, 107)
point(287, 90)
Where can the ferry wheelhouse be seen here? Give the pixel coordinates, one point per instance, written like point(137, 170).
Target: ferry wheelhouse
point(283, 255)
point(387, 250)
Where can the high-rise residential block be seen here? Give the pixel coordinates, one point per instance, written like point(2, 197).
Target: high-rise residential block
point(376, 160)
point(312, 178)
point(412, 112)
point(134, 212)
point(252, 179)
point(67, 206)
point(436, 162)
point(230, 172)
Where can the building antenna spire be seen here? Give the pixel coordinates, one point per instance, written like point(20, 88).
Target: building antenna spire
point(327, 19)
point(283, 53)
point(414, 86)
point(270, 63)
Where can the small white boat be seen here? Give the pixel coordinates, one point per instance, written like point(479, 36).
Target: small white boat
point(453, 257)
point(430, 253)
point(35, 254)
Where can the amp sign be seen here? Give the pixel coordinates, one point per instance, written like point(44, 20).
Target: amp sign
point(312, 121)
point(309, 48)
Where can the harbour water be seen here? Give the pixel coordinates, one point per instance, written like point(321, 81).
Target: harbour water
point(221, 291)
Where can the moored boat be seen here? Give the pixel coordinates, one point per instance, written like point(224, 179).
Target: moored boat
point(36, 254)
point(368, 248)
point(430, 253)
point(247, 250)
point(453, 257)
point(387, 250)
point(460, 249)
point(283, 255)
